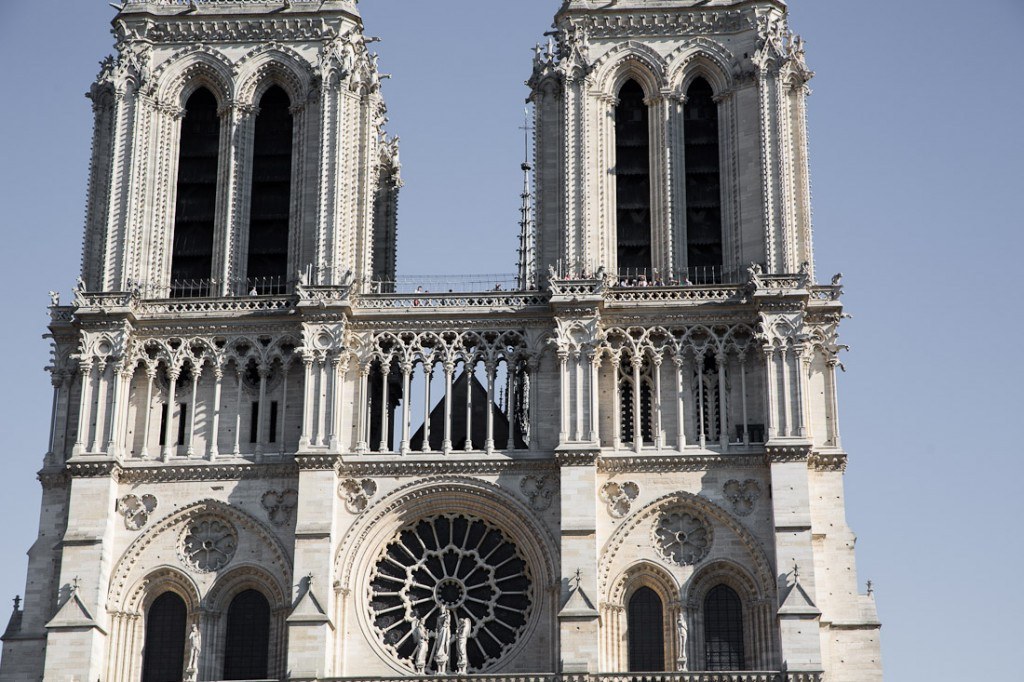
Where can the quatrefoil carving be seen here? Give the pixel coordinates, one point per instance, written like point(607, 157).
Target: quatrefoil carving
point(357, 493)
point(619, 497)
point(136, 510)
point(280, 506)
point(539, 490)
point(743, 496)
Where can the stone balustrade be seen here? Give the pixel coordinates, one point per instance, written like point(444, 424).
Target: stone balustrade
point(759, 676)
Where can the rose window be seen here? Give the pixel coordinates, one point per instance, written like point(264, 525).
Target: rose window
point(682, 538)
point(452, 563)
point(208, 544)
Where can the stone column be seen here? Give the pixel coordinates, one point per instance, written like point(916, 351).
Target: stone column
point(578, 620)
point(659, 436)
point(190, 443)
point(406, 368)
point(680, 362)
point(363, 409)
point(308, 403)
point(171, 433)
point(78, 630)
point(449, 371)
point(261, 410)
point(428, 372)
point(723, 404)
point(489, 440)
point(213, 435)
point(311, 632)
point(147, 417)
point(638, 421)
point(799, 631)
point(595, 397)
point(101, 407)
point(84, 407)
point(563, 369)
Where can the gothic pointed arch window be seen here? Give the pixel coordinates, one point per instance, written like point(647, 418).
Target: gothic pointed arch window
point(723, 629)
point(632, 182)
point(645, 627)
point(163, 655)
point(703, 184)
point(247, 640)
point(196, 197)
point(271, 194)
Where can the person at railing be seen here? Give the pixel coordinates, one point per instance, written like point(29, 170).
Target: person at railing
point(253, 291)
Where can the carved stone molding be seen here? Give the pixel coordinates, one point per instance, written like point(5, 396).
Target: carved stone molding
point(682, 536)
point(576, 458)
point(357, 494)
point(539, 490)
point(316, 462)
point(743, 496)
point(208, 543)
point(136, 510)
point(406, 468)
point(211, 472)
point(670, 463)
point(786, 454)
point(280, 506)
point(619, 497)
point(95, 470)
point(828, 462)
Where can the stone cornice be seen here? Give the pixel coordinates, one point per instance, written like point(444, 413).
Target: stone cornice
point(441, 466)
point(577, 457)
point(831, 461)
point(673, 463)
point(787, 454)
point(207, 472)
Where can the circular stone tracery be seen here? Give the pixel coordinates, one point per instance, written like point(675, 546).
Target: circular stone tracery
point(460, 564)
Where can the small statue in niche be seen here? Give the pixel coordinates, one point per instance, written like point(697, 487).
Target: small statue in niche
point(461, 645)
point(443, 643)
point(681, 633)
point(195, 647)
point(422, 639)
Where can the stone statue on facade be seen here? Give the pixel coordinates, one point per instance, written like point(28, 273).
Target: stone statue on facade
point(461, 645)
point(421, 638)
point(195, 647)
point(54, 298)
point(443, 642)
point(681, 633)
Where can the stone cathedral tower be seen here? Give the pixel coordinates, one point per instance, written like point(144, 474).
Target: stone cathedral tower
point(270, 461)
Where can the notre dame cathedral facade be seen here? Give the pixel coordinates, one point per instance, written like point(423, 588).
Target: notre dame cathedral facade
point(269, 461)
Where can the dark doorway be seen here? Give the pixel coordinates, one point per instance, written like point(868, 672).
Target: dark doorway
point(645, 625)
point(247, 644)
point(163, 655)
point(723, 630)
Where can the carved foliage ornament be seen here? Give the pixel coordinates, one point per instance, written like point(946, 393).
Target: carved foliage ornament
point(619, 497)
point(208, 543)
point(357, 493)
point(539, 490)
point(743, 496)
point(280, 506)
point(682, 537)
point(136, 510)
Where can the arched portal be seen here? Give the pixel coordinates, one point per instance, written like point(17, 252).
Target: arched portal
point(703, 184)
point(163, 657)
point(723, 629)
point(645, 627)
point(270, 212)
point(633, 182)
point(247, 641)
point(195, 210)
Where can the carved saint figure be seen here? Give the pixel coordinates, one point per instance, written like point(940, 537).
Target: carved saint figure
point(681, 635)
point(422, 639)
point(443, 643)
point(461, 645)
point(195, 647)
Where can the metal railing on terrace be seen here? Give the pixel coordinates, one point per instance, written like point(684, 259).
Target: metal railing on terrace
point(761, 676)
point(444, 284)
point(701, 275)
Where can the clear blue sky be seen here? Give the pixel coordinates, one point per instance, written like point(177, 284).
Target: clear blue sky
point(918, 172)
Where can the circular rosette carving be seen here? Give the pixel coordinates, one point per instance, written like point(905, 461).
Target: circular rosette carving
point(682, 537)
point(208, 543)
point(452, 563)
